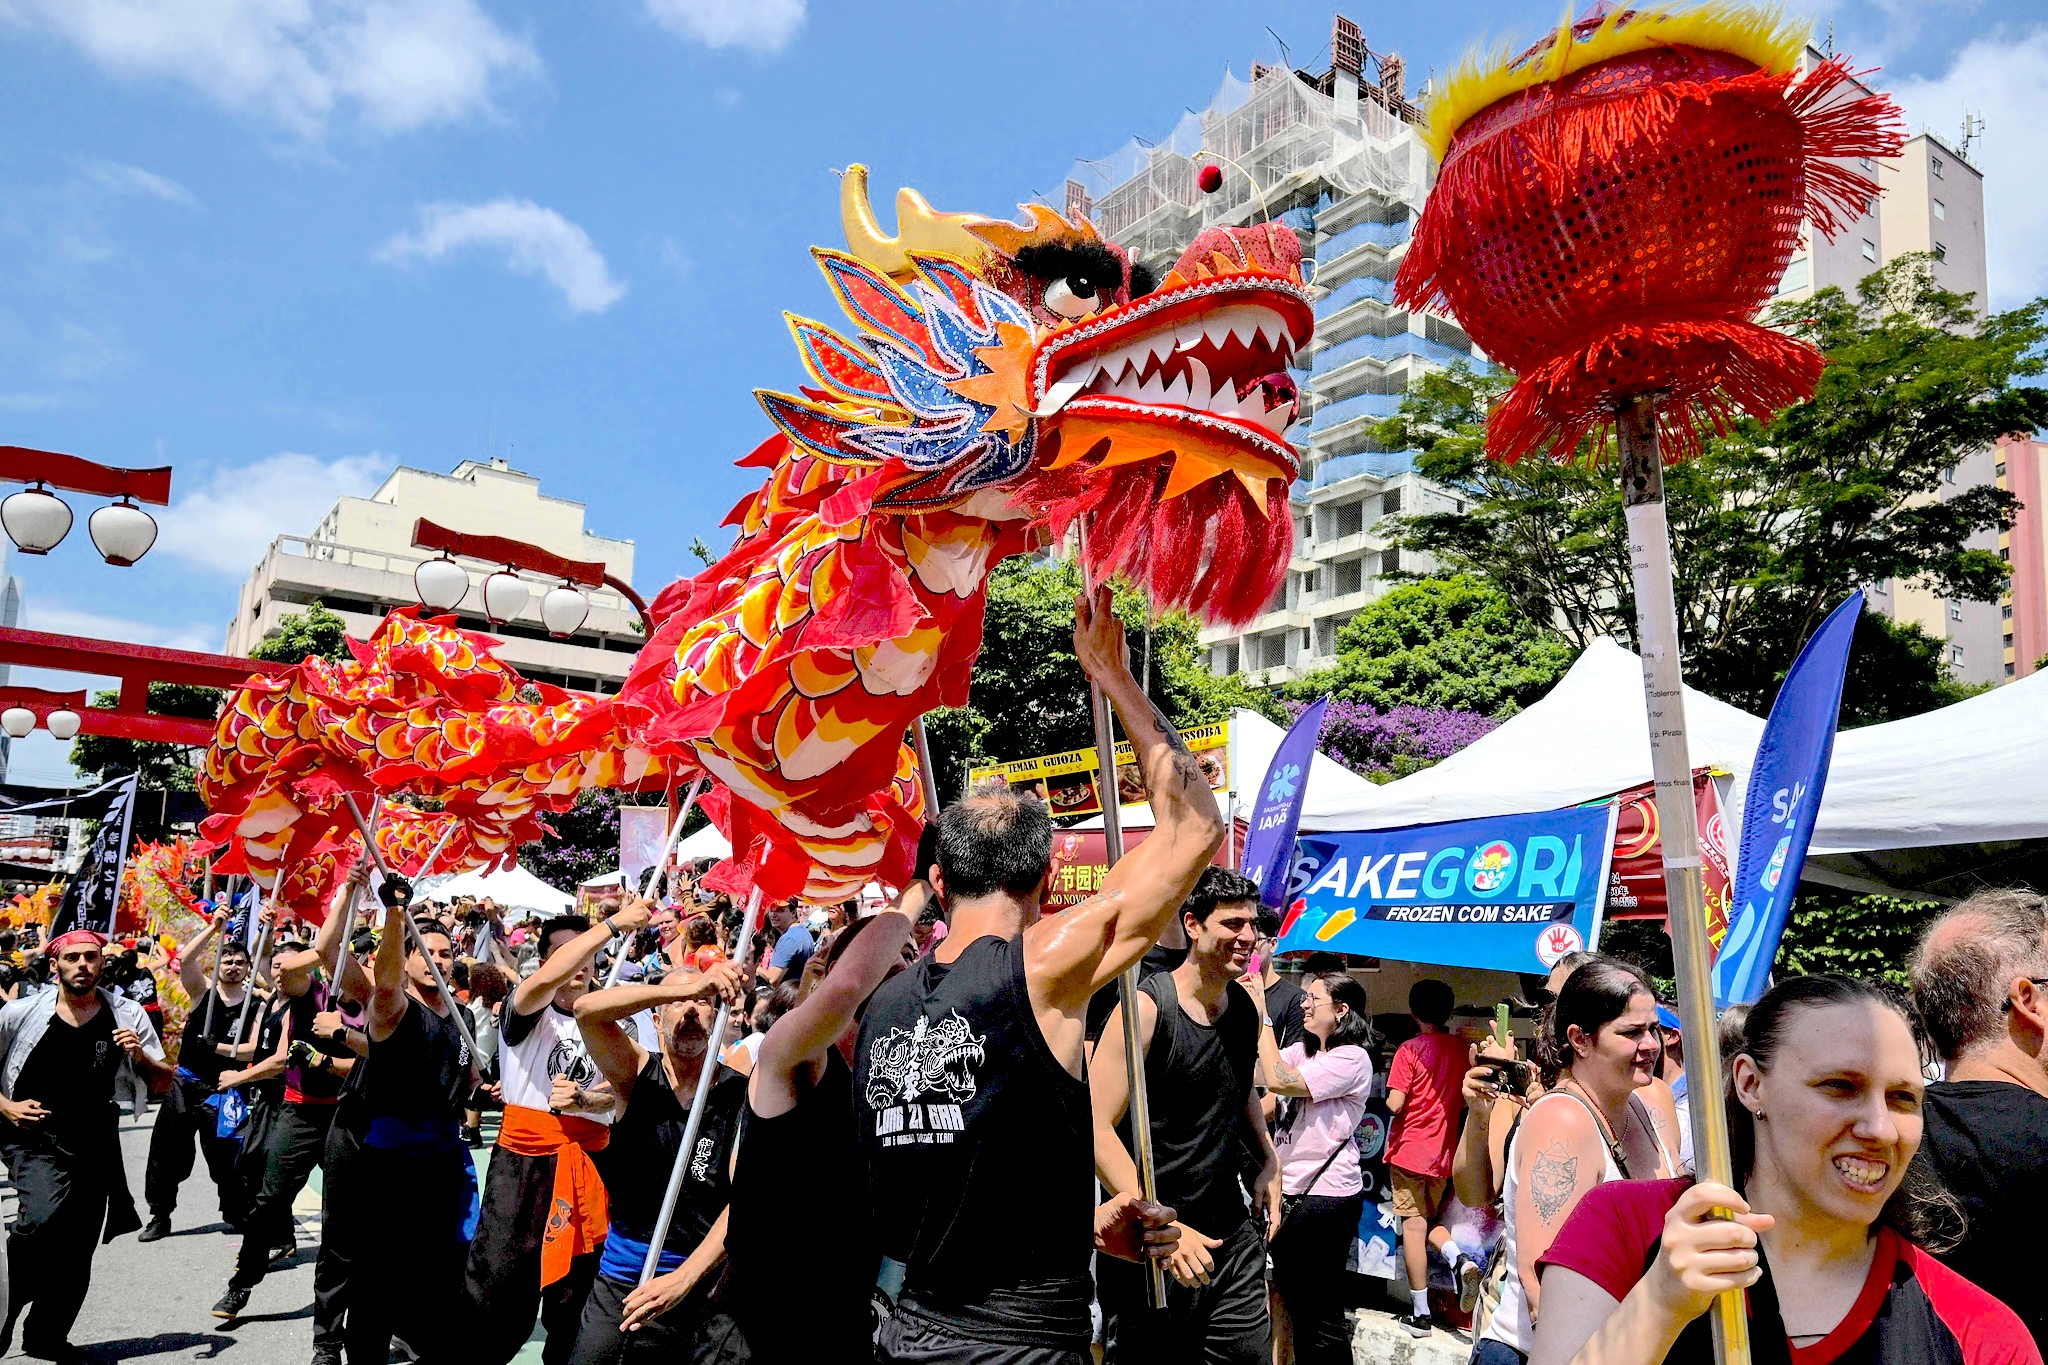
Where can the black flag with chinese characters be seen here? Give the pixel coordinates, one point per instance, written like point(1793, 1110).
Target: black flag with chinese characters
point(90, 901)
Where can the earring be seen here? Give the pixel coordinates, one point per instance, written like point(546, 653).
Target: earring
point(1759, 1114)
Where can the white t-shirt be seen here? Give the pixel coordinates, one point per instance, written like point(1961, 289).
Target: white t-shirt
point(535, 1048)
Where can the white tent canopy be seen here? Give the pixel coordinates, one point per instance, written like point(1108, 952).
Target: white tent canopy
point(705, 843)
point(1253, 742)
point(515, 887)
point(1965, 774)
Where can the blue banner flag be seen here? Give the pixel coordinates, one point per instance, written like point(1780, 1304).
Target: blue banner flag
point(1777, 816)
point(1269, 843)
point(1513, 893)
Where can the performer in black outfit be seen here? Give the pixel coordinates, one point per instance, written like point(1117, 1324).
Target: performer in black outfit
point(1201, 1035)
point(670, 1318)
point(969, 1090)
point(313, 1061)
point(192, 1109)
point(817, 1234)
point(59, 1051)
point(412, 1159)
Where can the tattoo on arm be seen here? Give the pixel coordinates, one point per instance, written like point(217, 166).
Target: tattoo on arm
point(1553, 1179)
point(1166, 730)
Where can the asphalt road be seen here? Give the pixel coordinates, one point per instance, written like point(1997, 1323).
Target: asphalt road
point(151, 1303)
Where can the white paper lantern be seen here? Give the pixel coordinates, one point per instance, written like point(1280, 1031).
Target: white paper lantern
point(63, 723)
point(18, 721)
point(563, 611)
point(36, 520)
point(505, 596)
point(121, 532)
point(441, 584)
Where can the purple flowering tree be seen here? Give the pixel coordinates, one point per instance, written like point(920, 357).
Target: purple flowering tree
point(1385, 744)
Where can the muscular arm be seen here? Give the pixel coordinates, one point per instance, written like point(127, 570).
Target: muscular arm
point(273, 1065)
point(343, 970)
point(1560, 1157)
point(1109, 1094)
point(1069, 956)
point(387, 977)
point(190, 975)
point(798, 1040)
point(533, 994)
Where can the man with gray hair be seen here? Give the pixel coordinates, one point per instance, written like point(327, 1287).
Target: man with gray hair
point(1980, 982)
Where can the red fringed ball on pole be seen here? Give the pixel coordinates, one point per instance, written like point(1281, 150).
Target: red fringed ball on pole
point(1617, 203)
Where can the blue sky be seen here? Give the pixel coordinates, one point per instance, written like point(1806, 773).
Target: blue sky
point(285, 245)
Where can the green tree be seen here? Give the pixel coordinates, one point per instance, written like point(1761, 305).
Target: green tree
point(304, 634)
point(1775, 524)
point(163, 767)
point(1870, 936)
point(1458, 642)
point(1029, 695)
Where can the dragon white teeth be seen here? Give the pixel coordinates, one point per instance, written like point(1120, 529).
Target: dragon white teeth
point(1061, 393)
point(1204, 388)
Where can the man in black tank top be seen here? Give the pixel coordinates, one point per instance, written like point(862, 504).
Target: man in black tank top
point(969, 1088)
point(1201, 1035)
point(420, 1071)
point(789, 1231)
point(671, 1317)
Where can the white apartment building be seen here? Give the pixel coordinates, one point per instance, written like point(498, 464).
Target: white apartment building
point(1337, 159)
point(1933, 201)
point(359, 562)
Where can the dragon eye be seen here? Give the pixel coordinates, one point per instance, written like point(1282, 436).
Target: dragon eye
point(1063, 300)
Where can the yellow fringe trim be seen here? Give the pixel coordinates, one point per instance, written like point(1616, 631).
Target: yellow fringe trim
point(1763, 36)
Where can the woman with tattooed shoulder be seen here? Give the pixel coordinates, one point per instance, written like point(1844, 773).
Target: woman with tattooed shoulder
point(1599, 1045)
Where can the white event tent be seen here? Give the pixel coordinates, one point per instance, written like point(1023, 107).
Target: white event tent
point(515, 887)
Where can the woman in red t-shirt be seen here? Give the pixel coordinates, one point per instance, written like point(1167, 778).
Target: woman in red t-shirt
point(1824, 1094)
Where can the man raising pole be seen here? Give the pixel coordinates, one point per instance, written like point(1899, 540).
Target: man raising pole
point(59, 1052)
point(970, 1072)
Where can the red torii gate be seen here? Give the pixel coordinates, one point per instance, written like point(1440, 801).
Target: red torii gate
point(136, 666)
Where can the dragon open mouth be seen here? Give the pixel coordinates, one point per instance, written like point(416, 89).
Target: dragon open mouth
point(1208, 357)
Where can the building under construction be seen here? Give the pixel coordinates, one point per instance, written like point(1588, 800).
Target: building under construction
point(1336, 157)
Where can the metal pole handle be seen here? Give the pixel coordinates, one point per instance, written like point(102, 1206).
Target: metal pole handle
point(675, 835)
point(412, 934)
point(741, 947)
point(1642, 485)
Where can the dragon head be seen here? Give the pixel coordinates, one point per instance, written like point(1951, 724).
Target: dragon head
point(1029, 371)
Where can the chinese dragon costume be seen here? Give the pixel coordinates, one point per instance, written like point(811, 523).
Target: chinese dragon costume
point(1002, 383)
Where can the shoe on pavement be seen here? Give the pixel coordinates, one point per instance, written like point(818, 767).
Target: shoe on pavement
point(232, 1303)
point(327, 1353)
point(159, 1227)
point(63, 1352)
point(1469, 1275)
point(1418, 1324)
point(284, 1252)
point(472, 1137)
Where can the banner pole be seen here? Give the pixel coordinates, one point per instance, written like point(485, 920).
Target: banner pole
point(926, 778)
point(695, 1123)
point(1127, 984)
point(348, 920)
point(1642, 487)
point(248, 990)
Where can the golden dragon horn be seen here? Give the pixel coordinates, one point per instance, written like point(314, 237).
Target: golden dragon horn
point(919, 228)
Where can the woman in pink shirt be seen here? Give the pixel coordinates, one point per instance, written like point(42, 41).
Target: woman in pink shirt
point(1319, 1174)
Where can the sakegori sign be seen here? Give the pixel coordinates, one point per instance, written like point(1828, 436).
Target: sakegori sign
point(1513, 893)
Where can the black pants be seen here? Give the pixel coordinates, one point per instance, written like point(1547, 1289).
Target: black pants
point(503, 1274)
point(1308, 1270)
point(181, 1118)
point(342, 1212)
point(297, 1141)
point(913, 1338)
point(693, 1332)
point(1223, 1322)
point(407, 1281)
point(61, 1210)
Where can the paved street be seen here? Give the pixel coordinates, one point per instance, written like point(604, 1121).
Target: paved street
point(150, 1303)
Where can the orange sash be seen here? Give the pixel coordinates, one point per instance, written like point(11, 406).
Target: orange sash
point(577, 1212)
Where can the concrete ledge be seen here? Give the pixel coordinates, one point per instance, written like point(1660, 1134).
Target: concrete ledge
point(1376, 1339)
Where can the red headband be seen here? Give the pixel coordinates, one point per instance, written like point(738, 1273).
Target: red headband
point(72, 935)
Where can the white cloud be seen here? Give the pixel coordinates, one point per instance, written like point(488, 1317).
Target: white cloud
point(763, 25)
point(2003, 78)
point(120, 179)
point(400, 64)
point(534, 241)
point(227, 521)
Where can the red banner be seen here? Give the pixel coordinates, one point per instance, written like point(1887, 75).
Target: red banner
point(1635, 880)
point(1080, 862)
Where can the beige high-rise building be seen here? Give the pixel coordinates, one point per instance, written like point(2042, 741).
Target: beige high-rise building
point(1933, 201)
point(359, 562)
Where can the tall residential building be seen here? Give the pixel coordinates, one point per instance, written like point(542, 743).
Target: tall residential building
point(359, 562)
point(1933, 201)
point(2023, 470)
point(1336, 158)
